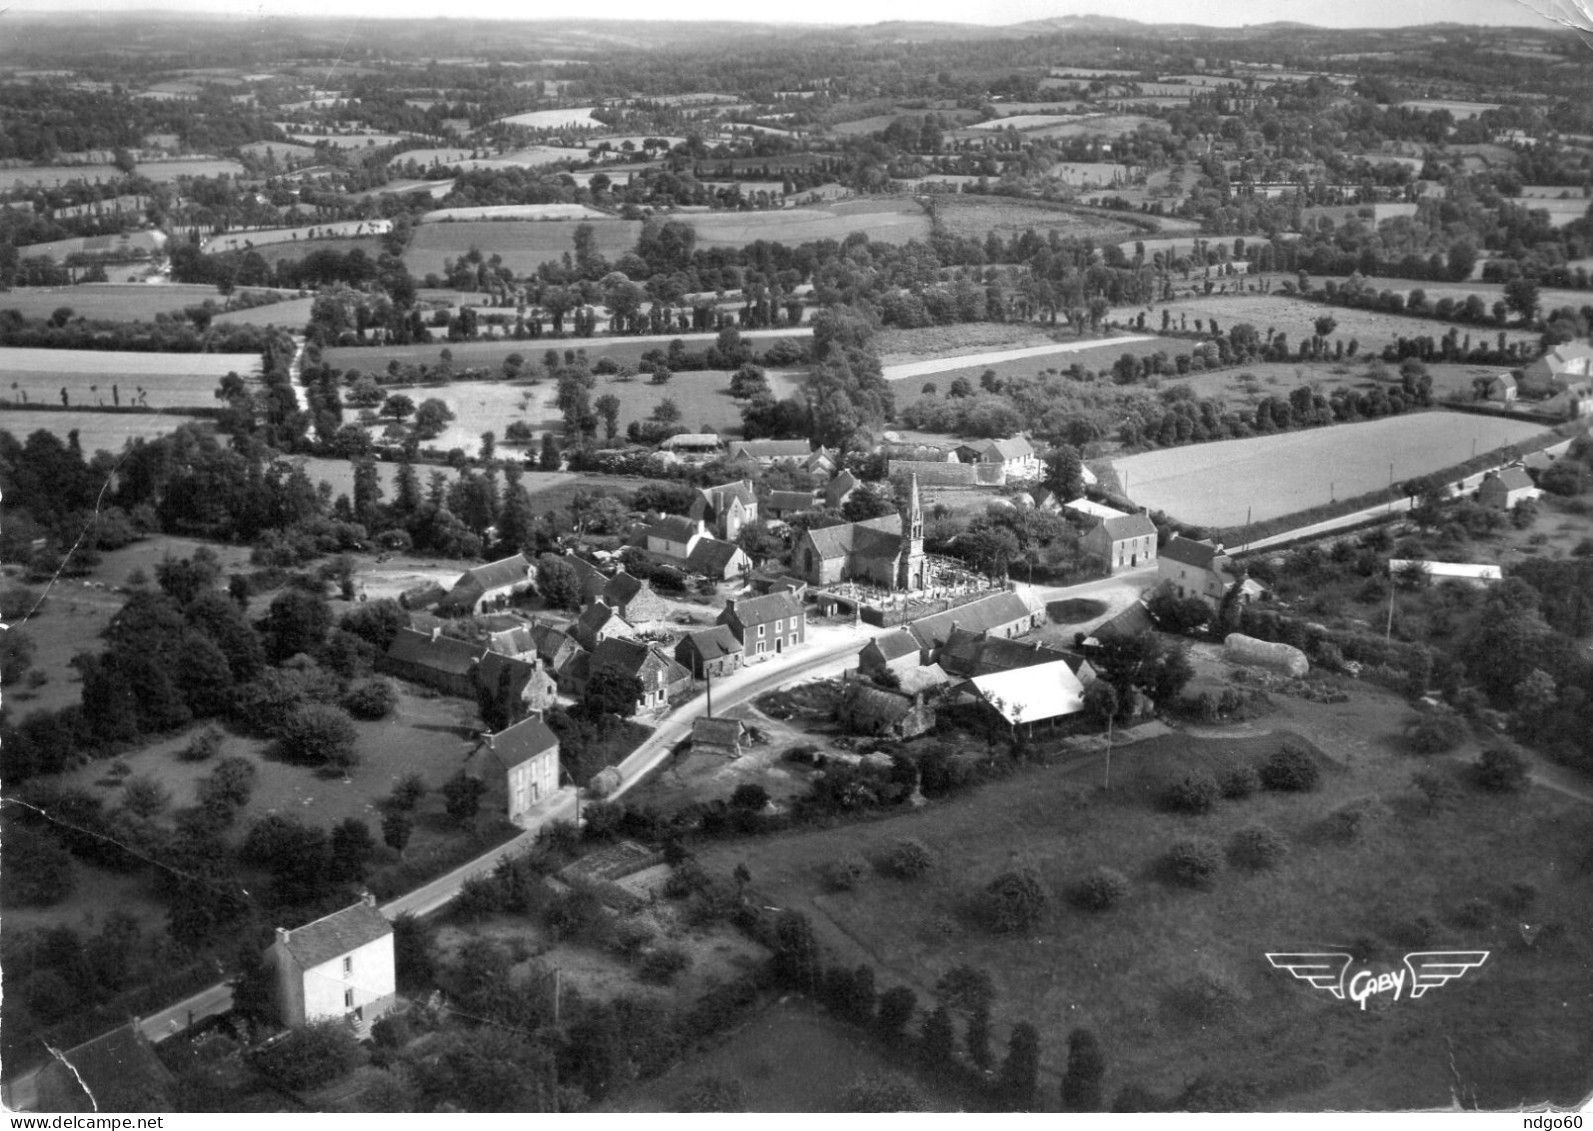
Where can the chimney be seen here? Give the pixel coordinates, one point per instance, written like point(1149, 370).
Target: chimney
point(367, 899)
point(282, 935)
point(730, 604)
point(436, 632)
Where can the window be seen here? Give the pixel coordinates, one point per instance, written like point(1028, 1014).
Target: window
point(760, 629)
point(778, 625)
point(348, 999)
point(348, 964)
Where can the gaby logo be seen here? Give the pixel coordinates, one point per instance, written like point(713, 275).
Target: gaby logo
point(1424, 970)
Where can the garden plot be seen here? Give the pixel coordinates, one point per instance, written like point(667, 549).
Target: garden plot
point(150, 380)
point(1265, 477)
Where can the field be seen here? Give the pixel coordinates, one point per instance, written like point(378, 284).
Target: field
point(293, 314)
point(973, 217)
point(169, 380)
point(577, 117)
point(890, 221)
point(1089, 174)
point(524, 247)
point(281, 150)
point(1024, 122)
point(97, 431)
point(436, 189)
point(1214, 484)
point(1549, 298)
point(1296, 318)
point(529, 157)
point(348, 141)
point(1105, 125)
point(516, 212)
point(49, 176)
point(1461, 110)
point(122, 302)
point(1134, 974)
point(1090, 352)
point(1278, 378)
point(298, 249)
point(342, 229)
point(128, 245)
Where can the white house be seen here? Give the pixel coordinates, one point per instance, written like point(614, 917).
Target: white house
point(341, 965)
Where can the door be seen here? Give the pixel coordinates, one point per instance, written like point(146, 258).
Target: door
point(778, 644)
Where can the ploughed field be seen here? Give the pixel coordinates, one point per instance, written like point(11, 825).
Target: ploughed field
point(1215, 484)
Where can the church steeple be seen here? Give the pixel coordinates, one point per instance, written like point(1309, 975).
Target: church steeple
point(915, 516)
point(911, 572)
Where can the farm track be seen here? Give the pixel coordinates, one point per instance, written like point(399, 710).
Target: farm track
point(965, 361)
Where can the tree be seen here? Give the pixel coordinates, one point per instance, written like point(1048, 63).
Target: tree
point(558, 583)
point(1015, 1087)
point(1082, 1088)
point(312, 1055)
point(432, 418)
point(607, 407)
point(896, 1008)
point(396, 828)
point(321, 735)
point(352, 848)
point(1064, 473)
point(398, 406)
point(1015, 900)
point(1521, 296)
point(549, 460)
point(254, 987)
point(1502, 769)
point(749, 383)
point(297, 621)
point(796, 952)
point(462, 797)
point(144, 796)
point(976, 1036)
point(936, 1041)
point(610, 693)
point(1101, 701)
point(186, 578)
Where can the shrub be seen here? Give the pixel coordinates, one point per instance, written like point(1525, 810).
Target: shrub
point(1102, 890)
point(407, 792)
point(1257, 847)
point(1194, 861)
point(1350, 820)
point(320, 735)
point(370, 699)
point(749, 796)
point(1434, 733)
point(312, 1055)
point(661, 965)
point(1016, 899)
point(1291, 770)
point(1239, 782)
point(203, 745)
point(1502, 769)
point(844, 872)
point(1195, 792)
point(633, 936)
point(908, 858)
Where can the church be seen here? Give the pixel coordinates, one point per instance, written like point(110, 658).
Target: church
point(874, 552)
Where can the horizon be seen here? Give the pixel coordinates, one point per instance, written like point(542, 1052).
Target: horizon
point(1347, 15)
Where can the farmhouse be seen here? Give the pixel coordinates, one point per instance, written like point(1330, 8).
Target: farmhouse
point(525, 684)
point(726, 509)
point(783, 504)
point(767, 453)
point(868, 709)
point(718, 560)
point(488, 586)
point(1502, 490)
point(659, 676)
point(1191, 567)
point(874, 551)
point(709, 652)
point(969, 654)
point(1025, 696)
point(339, 966)
point(718, 736)
point(890, 651)
point(1004, 614)
point(597, 623)
point(1563, 365)
point(1118, 542)
point(117, 1071)
point(766, 624)
point(1501, 389)
point(1015, 457)
point(633, 599)
point(673, 536)
point(433, 660)
point(518, 765)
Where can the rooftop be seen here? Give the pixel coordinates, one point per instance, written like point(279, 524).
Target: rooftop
point(335, 935)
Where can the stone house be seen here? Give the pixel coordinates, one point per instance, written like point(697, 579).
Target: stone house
point(867, 709)
point(718, 736)
point(661, 677)
point(718, 560)
point(524, 683)
point(433, 660)
point(488, 587)
point(1004, 614)
point(633, 599)
point(339, 966)
point(725, 509)
point(519, 766)
point(709, 652)
point(890, 651)
point(673, 536)
point(765, 625)
point(1119, 543)
point(1503, 489)
point(1016, 457)
point(1190, 567)
point(598, 623)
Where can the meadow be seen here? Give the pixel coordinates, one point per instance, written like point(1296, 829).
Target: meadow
point(973, 217)
point(889, 220)
point(169, 380)
point(293, 314)
point(524, 247)
point(348, 141)
point(1461, 110)
point(339, 229)
point(529, 157)
point(51, 176)
point(1174, 980)
point(96, 431)
point(1296, 317)
point(491, 355)
point(281, 150)
point(579, 117)
point(1217, 484)
point(1093, 353)
point(515, 212)
point(122, 302)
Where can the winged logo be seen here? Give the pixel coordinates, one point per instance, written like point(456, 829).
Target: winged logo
point(1324, 971)
point(1430, 969)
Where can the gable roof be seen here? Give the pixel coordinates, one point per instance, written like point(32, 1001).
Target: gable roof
point(490, 672)
point(110, 1073)
point(1127, 526)
point(717, 732)
point(914, 680)
point(760, 610)
point(621, 589)
point(973, 654)
point(1026, 695)
point(711, 556)
point(1015, 447)
point(726, 493)
point(1132, 621)
point(495, 575)
point(1081, 505)
point(894, 645)
point(878, 536)
point(442, 653)
point(1513, 478)
point(550, 641)
point(674, 528)
point(512, 641)
point(994, 611)
point(1197, 552)
point(790, 500)
point(584, 570)
point(712, 643)
point(632, 657)
point(334, 935)
point(522, 742)
point(598, 615)
point(693, 440)
point(770, 449)
point(875, 704)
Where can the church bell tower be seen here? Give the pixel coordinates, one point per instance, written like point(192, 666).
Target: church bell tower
point(911, 569)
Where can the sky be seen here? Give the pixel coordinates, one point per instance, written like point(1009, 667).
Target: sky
point(1223, 13)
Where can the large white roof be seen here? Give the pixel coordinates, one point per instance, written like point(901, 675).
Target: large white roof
point(1027, 695)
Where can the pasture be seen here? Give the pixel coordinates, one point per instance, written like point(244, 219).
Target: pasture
point(1174, 980)
point(293, 314)
point(524, 247)
point(1297, 317)
point(974, 217)
point(127, 245)
point(52, 176)
point(1270, 476)
point(120, 302)
point(435, 189)
point(348, 141)
point(281, 150)
point(1104, 125)
point(527, 158)
point(579, 117)
point(1549, 298)
point(1461, 111)
point(1026, 360)
point(889, 221)
point(339, 229)
point(96, 431)
point(515, 212)
point(298, 249)
point(1023, 122)
point(167, 380)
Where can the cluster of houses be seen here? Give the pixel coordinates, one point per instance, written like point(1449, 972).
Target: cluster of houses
point(1561, 381)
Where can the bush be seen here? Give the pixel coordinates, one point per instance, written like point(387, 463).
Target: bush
point(749, 796)
point(1434, 733)
point(1353, 818)
point(203, 745)
point(1291, 770)
point(908, 859)
point(1016, 899)
point(1194, 861)
point(843, 873)
point(1196, 792)
point(1502, 769)
point(1102, 890)
point(660, 966)
point(311, 1056)
point(406, 793)
point(1238, 782)
point(370, 699)
point(1257, 847)
point(320, 735)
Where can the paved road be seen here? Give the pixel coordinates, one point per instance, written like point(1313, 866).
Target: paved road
point(210, 1002)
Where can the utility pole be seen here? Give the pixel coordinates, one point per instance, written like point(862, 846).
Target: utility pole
point(1110, 719)
point(709, 675)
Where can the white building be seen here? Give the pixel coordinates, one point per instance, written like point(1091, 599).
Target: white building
point(340, 966)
